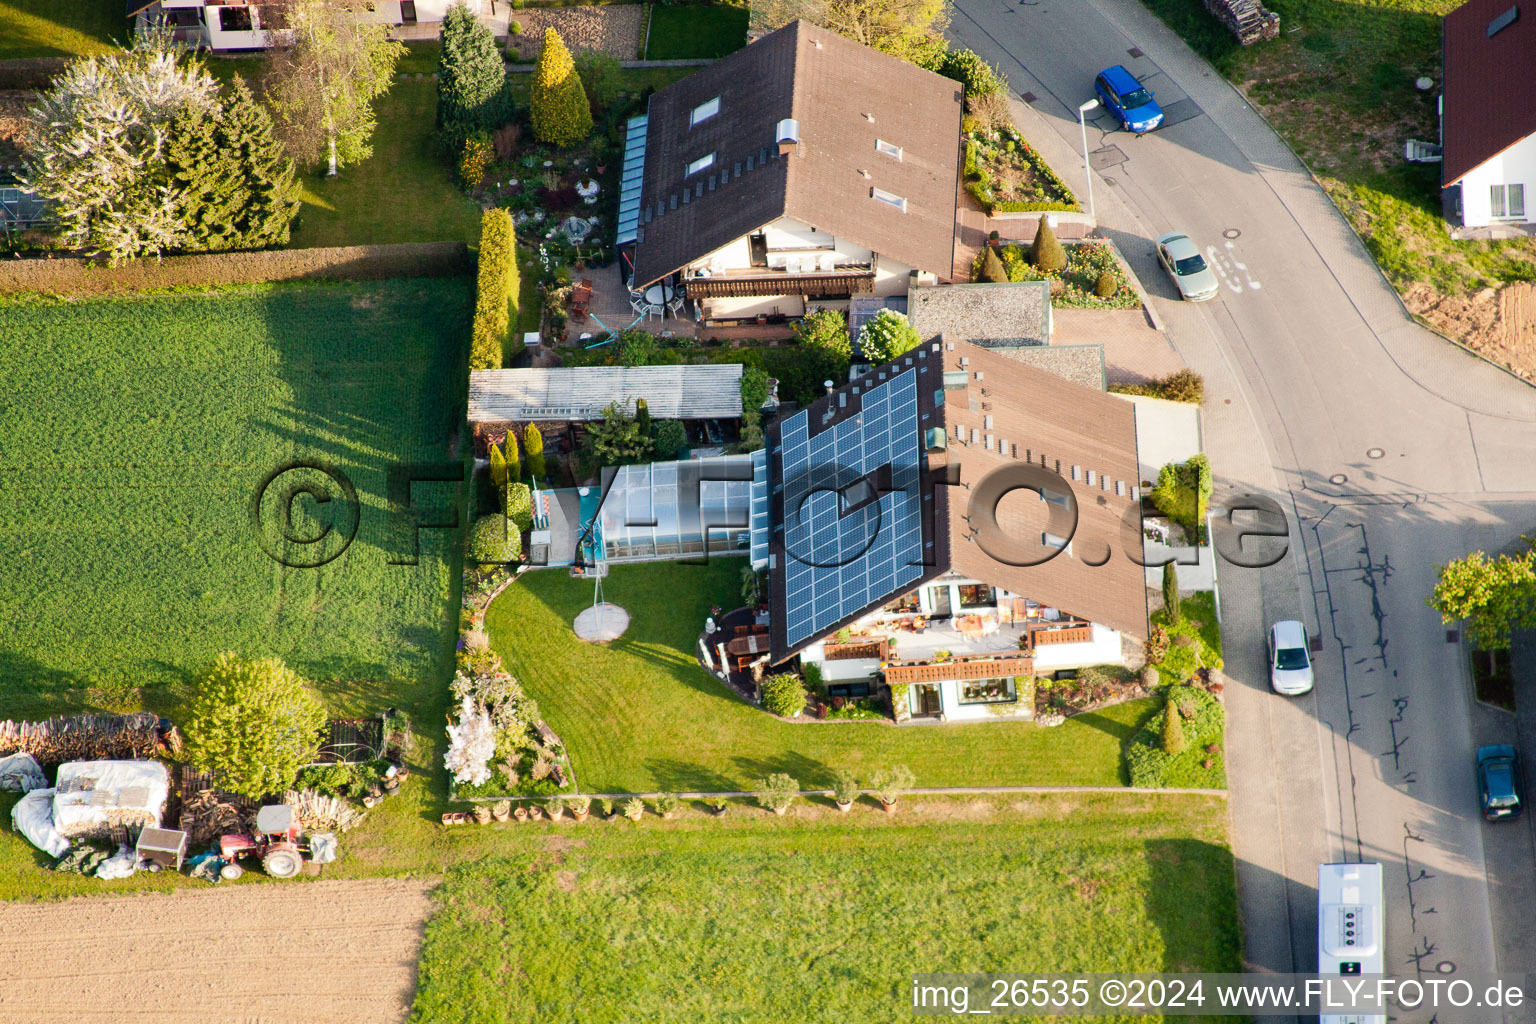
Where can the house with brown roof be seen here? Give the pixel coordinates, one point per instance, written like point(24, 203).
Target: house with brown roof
point(798, 171)
point(948, 523)
point(1487, 122)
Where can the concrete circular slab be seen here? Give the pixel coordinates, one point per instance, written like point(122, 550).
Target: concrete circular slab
point(601, 623)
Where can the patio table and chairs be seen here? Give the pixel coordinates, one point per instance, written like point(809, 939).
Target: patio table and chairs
point(656, 300)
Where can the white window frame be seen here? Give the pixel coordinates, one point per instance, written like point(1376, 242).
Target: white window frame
point(703, 112)
point(889, 198)
point(1050, 540)
point(1501, 204)
point(889, 149)
point(703, 163)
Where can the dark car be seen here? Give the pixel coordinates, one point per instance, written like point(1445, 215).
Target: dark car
point(1498, 782)
point(1129, 100)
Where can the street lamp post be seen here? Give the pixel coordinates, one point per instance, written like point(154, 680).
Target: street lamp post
point(1082, 124)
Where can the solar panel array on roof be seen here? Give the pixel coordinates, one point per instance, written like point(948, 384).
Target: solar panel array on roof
point(841, 556)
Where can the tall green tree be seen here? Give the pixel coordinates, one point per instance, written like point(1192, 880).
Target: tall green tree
point(498, 467)
point(887, 335)
point(561, 114)
point(826, 329)
point(1171, 593)
point(617, 439)
point(533, 448)
point(1495, 596)
point(643, 416)
point(910, 29)
point(321, 89)
point(514, 460)
point(237, 189)
point(471, 77)
point(253, 724)
point(1174, 741)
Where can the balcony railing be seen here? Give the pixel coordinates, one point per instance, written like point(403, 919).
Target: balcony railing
point(762, 281)
point(974, 666)
point(1061, 633)
point(867, 647)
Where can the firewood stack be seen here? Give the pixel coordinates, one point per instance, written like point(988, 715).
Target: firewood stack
point(83, 738)
point(320, 813)
point(205, 817)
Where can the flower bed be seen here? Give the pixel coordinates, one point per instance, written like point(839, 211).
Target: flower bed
point(1086, 260)
point(1092, 688)
point(1005, 174)
point(1199, 763)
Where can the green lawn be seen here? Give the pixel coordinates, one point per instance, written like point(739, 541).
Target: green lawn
point(681, 32)
point(404, 193)
point(640, 715)
point(826, 918)
point(1341, 92)
point(60, 28)
point(128, 555)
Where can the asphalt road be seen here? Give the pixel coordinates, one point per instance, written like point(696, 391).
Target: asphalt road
point(1390, 451)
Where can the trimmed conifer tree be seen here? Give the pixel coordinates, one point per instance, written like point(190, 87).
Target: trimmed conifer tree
point(992, 267)
point(498, 467)
point(561, 114)
point(514, 460)
point(1171, 593)
point(1046, 253)
point(470, 75)
point(533, 448)
point(643, 417)
point(1173, 729)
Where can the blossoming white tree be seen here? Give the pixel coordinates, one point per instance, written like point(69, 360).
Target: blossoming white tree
point(100, 135)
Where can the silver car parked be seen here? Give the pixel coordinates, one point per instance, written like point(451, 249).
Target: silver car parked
point(1181, 258)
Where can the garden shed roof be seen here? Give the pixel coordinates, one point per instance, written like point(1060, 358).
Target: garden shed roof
point(580, 393)
point(993, 315)
point(833, 99)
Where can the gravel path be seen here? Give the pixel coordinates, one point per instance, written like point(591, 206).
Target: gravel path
point(324, 952)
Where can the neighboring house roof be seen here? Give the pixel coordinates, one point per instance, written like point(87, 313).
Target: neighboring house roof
point(843, 97)
point(1081, 364)
point(580, 393)
point(1486, 104)
point(994, 315)
point(841, 547)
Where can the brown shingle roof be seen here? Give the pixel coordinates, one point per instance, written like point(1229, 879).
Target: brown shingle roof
point(828, 89)
point(1048, 421)
point(1487, 107)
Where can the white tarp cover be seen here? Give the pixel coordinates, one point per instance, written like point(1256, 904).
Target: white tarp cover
point(33, 818)
point(115, 786)
point(322, 847)
point(20, 773)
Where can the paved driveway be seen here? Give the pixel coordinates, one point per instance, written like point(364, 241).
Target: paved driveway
point(1388, 448)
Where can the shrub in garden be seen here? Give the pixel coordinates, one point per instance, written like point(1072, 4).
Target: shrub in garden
point(666, 805)
point(253, 724)
point(471, 745)
point(826, 329)
point(471, 76)
point(519, 507)
point(533, 447)
point(784, 695)
point(845, 786)
point(516, 28)
point(1179, 386)
point(977, 76)
point(561, 114)
point(601, 76)
point(1106, 286)
point(605, 807)
point(496, 290)
point(493, 541)
point(475, 158)
point(887, 335)
point(1183, 492)
point(634, 808)
point(992, 267)
point(671, 438)
point(1150, 765)
point(889, 783)
point(1157, 644)
point(1046, 253)
point(813, 679)
point(778, 792)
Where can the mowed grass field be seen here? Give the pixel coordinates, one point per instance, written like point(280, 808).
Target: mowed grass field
point(824, 918)
point(641, 715)
point(61, 28)
point(137, 432)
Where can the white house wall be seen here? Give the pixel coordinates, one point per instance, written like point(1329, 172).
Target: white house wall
point(1104, 649)
point(790, 239)
point(1515, 166)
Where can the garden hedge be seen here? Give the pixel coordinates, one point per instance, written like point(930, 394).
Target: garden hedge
point(496, 291)
point(71, 276)
point(495, 541)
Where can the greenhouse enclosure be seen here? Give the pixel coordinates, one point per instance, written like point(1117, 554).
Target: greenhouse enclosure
point(649, 512)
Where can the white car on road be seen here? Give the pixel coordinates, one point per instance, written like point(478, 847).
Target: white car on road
point(1180, 256)
point(1290, 658)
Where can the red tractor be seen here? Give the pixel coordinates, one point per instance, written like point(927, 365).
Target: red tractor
point(276, 843)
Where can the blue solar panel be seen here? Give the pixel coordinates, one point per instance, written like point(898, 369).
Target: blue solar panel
point(839, 561)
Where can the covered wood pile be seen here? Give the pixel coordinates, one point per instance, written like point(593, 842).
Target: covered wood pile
point(90, 738)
